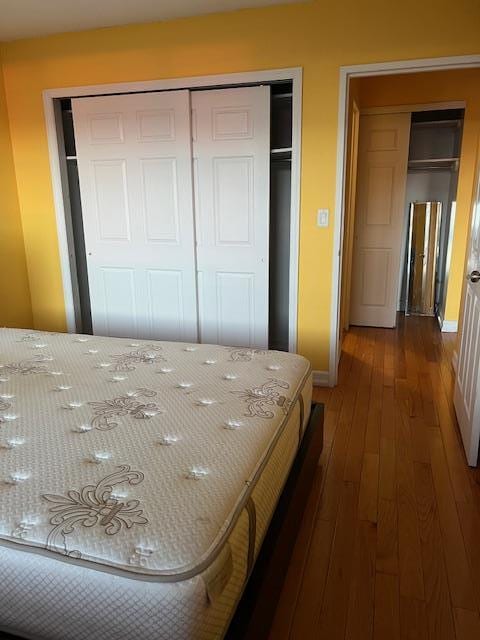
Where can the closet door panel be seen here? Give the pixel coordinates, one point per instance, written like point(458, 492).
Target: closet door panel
point(236, 307)
point(111, 200)
point(159, 184)
point(233, 200)
point(135, 171)
point(116, 289)
point(164, 293)
point(231, 148)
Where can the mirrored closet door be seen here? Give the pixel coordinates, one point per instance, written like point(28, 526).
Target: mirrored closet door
point(425, 218)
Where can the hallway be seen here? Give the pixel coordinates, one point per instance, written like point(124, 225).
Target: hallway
point(389, 546)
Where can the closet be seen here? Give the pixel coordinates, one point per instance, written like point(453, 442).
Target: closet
point(431, 187)
point(180, 213)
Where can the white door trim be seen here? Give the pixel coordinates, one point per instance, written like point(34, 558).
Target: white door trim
point(346, 73)
point(293, 74)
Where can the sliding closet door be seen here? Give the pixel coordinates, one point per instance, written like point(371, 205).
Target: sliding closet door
point(231, 149)
point(135, 170)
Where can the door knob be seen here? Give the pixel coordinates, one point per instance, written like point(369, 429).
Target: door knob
point(475, 276)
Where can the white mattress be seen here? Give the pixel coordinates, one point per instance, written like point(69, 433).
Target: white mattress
point(137, 481)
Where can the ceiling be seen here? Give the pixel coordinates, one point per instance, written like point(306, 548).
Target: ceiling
point(34, 18)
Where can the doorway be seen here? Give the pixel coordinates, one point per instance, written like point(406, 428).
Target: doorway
point(407, 175)
point(428, 91)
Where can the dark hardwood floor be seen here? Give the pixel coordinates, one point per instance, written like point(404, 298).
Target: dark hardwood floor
point(389, 545)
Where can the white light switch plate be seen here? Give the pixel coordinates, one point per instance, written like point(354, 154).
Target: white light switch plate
point(322, 218)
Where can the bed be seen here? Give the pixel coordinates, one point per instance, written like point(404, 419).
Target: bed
point(138, 480)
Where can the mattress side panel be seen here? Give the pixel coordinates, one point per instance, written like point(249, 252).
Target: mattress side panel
point(121, 608)
point(48, 600)
point(266, 494)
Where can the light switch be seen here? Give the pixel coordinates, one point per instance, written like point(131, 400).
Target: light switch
point(322, 218)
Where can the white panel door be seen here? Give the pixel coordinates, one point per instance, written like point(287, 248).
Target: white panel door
point(135, 170)
point(231, 150)
point(379, 218)
point(467, 383)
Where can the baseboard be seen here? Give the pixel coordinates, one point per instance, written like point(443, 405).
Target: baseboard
point(455, 361)
point(449, 326)
point(321, 379)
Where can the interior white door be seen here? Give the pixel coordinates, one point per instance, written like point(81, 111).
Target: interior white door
point(467, 383)
point(231, 150)
point(135, 171)
point(379, 218)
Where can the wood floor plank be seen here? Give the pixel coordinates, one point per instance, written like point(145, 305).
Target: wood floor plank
point(458, 570)
point(368, 499)
point(410, 565)
point(438, 604)
point(322, 394)
point(413, 370)
point(332, 415)
point(420, 435)
point(467, 624)
point(362, 584)
point(413, 619)
point(349, 347)
point(389, 359)
point(356, 444)
point(431, 338)
point(458, 470)
point(387, 484)
point(311, 592)
point(387, 427)
point(430, 416)
point(372, 435)
point(469, 517)
point(336, 465)
point(387, 537)
point(404, 397)
point(387, 608)
point(333, 615)
point(400, 366)
point(285, 610)
point(410, 569)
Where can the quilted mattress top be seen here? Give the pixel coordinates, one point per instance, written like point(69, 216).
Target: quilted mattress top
point(133, 455)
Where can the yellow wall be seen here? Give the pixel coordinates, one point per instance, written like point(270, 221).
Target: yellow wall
point(316, 35)
point(440, 86)
point(15, 308)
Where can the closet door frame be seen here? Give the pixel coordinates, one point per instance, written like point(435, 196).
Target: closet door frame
point(58, 168)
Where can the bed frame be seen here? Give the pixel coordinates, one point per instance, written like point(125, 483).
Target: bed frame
point(254, 615)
